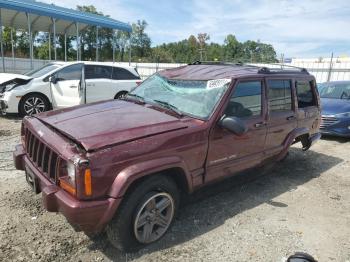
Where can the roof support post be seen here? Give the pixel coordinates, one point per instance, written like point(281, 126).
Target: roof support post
point(97, 43)
point(30, 40)
point(13, 50)
point(113, 44)
point(33, 37)
point(78, 42)
point(1, 43)
point(65, 46)
point(50, 44)
point(129, 49)
point(54, 38)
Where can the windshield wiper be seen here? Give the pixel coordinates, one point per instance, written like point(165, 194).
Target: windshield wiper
point(169, 106)
point(139, 98)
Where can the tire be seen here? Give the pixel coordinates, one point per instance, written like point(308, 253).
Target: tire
point(137, 215)
point(121, 95)
point(33, 104)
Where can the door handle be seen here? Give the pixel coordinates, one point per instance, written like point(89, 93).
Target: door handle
point(260, 124)
point(290, 117)
point(73, 86)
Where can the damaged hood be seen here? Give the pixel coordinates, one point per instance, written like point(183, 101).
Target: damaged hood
point(6, 77)
point(102, 124)
point(7, 81)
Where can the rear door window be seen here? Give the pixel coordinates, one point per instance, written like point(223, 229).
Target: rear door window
point(280, 95)
point(123, 74)
point(98, 72)
point(245, 100)
point(305, 94)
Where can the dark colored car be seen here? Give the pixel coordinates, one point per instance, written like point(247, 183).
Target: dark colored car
point(121, 166)
point(335, 101)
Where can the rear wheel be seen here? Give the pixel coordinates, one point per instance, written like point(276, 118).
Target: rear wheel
point(33, 104)
point(145, 214)
point(121, 95)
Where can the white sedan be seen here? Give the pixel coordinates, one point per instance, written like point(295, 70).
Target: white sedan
point(59, 85)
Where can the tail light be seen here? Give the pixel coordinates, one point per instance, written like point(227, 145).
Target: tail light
point(138, 83)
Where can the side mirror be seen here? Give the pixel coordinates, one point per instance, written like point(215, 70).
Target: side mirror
point(233, 124)
point(53, 79)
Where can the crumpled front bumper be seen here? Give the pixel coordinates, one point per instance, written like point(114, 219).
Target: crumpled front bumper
point(89, 216)
point(3, 107)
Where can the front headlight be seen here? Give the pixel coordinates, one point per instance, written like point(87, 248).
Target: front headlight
point(67, 177)
point(71, 172)
point(346, 114)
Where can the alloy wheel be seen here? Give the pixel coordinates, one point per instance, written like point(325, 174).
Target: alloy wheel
point(154, 218)
point(34, 105)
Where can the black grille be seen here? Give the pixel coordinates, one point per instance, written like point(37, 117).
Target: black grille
point(327, 121)
point(41, 155)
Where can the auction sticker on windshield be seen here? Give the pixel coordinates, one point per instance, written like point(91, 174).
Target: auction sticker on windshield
point(217, 83)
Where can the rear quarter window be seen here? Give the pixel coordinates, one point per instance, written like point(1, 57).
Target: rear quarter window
point(305, 94)
point(123, 74)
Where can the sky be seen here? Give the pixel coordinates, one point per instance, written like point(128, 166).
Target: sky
point(296, 28)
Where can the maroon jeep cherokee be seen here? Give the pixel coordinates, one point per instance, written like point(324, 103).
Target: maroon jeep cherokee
point(120, 165)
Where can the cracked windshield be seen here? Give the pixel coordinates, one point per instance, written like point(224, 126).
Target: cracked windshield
point(189, 97)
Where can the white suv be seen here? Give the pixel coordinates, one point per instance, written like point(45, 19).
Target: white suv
point(59, 85)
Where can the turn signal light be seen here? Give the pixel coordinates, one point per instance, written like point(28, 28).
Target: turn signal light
point(66, 186)
point(87, 180)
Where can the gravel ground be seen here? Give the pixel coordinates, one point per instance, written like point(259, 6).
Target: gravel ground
point(301, 204)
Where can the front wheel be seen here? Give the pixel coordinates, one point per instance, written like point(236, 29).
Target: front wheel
point(145, 215)
point(33, 104)
point(121, 95)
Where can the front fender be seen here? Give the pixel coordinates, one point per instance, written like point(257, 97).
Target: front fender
point(130, 174)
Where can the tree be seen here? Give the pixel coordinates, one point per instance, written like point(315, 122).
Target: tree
point(232, 48)
point(122, 39)
point(202, 39)
point(160, 55)
point(140, 41)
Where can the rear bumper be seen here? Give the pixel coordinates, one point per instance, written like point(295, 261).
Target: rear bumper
point(311, 141)
point(314, 138)
point(89, 216)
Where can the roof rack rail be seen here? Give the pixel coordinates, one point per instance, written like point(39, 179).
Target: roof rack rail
point(215, 63)
point(289, 70)
point(262, 69)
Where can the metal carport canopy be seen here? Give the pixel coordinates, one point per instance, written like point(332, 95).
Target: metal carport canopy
point(41, 14)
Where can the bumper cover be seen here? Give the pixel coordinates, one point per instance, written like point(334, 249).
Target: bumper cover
point(341, 132)
point(340, 128)
point(3, 107)
point(89, 216)
point(311, 141)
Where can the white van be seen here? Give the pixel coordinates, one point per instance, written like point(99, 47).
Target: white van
point(64, 84)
